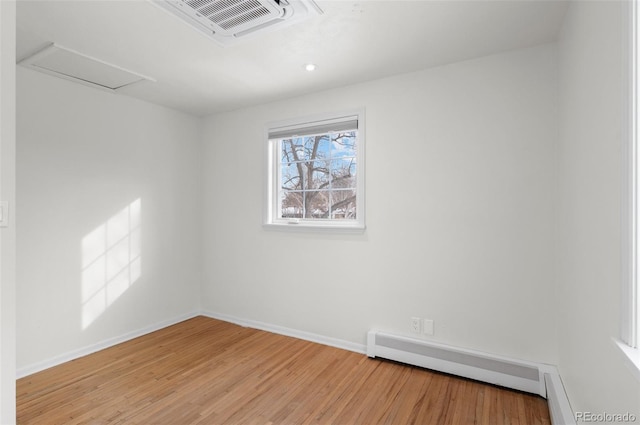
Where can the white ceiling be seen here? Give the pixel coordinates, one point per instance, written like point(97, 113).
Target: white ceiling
point(352, 41)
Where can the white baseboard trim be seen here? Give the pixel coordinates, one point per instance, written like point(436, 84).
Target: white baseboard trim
point(81, 352)
point(559, 408)
point(281, 330)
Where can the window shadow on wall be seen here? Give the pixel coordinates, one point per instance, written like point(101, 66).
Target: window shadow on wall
point(111, 261)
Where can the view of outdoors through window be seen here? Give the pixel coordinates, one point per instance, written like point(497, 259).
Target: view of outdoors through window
point(318, 176)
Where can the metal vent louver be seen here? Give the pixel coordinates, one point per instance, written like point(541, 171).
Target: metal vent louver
point(227, 20)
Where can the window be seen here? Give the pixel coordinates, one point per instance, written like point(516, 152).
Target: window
point(316, 173)
point(631, 321)
point(630, 325)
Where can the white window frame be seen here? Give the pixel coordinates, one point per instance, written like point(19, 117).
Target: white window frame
point(630, 303)
point(271, 218)
point(630, 315)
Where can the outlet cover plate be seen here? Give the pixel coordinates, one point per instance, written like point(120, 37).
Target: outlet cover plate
point(427, 327)
point(416, 325)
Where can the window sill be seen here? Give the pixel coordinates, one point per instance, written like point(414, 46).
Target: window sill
point(315, 227)
point(631, 357)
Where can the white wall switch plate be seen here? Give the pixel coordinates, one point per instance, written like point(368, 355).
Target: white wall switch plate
point(427, 327)
point(4, 214)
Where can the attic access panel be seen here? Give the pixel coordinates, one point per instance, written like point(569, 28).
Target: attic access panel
point(70, 65)
point(228, 20)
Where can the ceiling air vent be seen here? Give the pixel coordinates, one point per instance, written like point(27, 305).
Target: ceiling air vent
point(228, 20)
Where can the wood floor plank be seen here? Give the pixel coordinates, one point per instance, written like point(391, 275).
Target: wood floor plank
point(205, 371)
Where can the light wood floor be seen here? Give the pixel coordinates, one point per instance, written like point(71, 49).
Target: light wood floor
point(204, 371)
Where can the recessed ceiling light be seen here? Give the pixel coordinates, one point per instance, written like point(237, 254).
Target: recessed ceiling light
point(310, 67)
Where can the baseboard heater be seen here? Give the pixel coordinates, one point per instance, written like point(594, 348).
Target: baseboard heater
point(489, 368)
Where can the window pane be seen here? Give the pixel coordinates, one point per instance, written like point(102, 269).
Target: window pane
point(317, 204)
point(322, 146)
point(343, 144)
point(343, 204)
point(292, 204)
point(292, 150)
point(290, 177)
point(321, 173)
point(309, 148)
point(305, 175)
point(343, 173)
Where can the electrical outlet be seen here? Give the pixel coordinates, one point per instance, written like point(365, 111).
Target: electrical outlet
point(416, 325)
point(427, 327)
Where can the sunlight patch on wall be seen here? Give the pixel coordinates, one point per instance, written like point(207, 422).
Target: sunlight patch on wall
point(111, 261)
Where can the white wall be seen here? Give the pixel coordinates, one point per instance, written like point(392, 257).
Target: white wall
point(591, 160)
point(84, 155)
point(7, 193)
point(460, 163)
